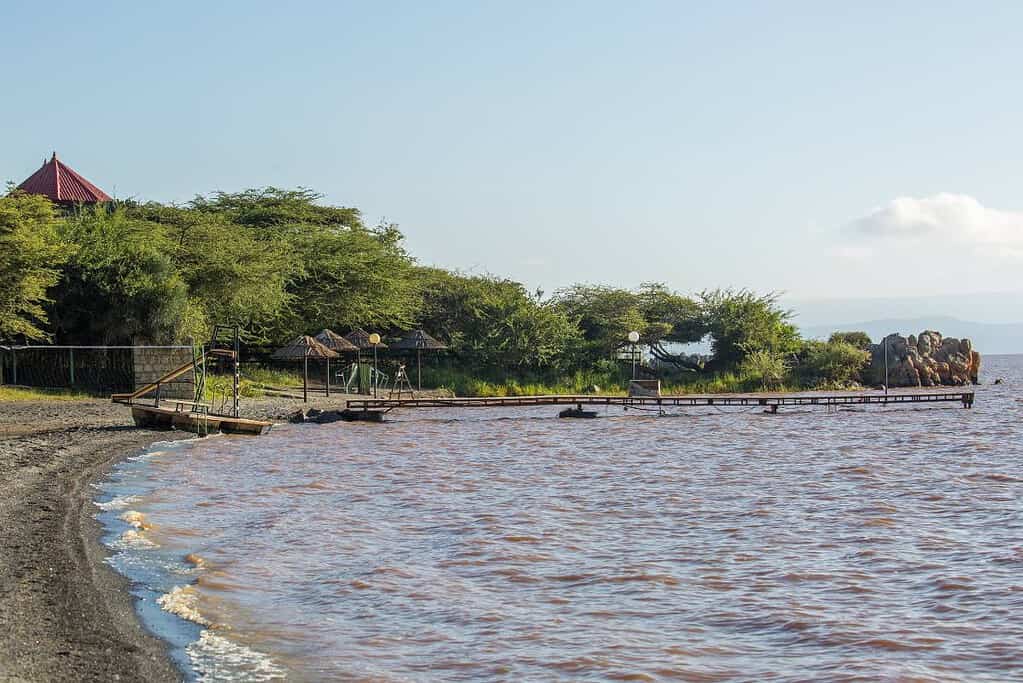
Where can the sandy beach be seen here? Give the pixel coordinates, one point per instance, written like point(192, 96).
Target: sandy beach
point(64, 613)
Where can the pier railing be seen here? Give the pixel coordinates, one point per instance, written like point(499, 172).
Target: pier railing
point(770, 401)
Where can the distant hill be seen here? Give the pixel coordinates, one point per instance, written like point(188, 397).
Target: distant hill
point(988, 338)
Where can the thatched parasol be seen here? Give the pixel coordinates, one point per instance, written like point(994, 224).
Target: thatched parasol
point(420, 341)
point(360, 338)
point(303, 348)
point(335, 342)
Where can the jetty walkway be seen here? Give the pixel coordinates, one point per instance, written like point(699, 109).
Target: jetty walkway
point(772, 402)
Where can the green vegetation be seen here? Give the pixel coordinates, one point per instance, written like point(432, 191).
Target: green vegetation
point(279, 264)
point(27, 394)
point(30, 260)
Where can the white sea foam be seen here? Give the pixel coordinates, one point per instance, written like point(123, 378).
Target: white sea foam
point(136, 519)
point(184, 602)
point(118, 502)
point(215, 658)
point(133, 539)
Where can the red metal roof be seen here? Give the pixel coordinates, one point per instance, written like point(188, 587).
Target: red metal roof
point(61, 184)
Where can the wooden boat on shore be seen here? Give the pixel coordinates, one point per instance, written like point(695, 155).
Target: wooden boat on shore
point(193, 415)
point(152, 417)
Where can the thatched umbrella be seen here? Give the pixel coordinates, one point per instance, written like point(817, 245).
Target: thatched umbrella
point(335, 342)
point(420, 341)
point(360, 338)
point(303, 348)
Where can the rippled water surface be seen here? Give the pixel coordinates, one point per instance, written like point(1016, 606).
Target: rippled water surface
point(510, 545)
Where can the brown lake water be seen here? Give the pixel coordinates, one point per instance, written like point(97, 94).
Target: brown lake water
point(705, 545)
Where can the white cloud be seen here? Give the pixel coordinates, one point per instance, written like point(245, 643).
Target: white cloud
point(950, 219)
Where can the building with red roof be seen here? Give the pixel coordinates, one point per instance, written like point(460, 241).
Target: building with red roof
point(62, 184)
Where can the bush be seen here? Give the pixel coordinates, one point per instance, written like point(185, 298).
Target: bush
point(763, 369)
point(860, 340)
point(834, 363)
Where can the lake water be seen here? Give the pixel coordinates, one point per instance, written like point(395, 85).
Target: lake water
point(705, 545)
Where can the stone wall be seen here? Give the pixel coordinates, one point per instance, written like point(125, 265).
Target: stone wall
point(151, 363)
point(929, 360)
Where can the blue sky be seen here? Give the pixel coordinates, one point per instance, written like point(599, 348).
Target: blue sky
point(757, 145)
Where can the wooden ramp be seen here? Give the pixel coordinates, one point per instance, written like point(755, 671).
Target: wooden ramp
point(169, 377)
point(772, 402)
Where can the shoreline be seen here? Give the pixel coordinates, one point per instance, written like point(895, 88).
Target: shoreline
point(65, 614)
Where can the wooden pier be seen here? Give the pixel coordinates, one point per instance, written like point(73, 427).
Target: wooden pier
point(770, 402)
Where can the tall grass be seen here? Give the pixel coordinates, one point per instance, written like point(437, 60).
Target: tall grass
point(33, 394)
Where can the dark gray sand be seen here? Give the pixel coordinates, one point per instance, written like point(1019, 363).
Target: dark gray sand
point(64, 613)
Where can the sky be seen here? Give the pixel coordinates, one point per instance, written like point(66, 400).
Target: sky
point(830, 151)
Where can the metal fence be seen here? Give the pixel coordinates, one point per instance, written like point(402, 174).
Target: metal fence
point(89, 368)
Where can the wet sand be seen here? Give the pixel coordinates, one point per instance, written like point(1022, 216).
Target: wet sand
point(64, 613)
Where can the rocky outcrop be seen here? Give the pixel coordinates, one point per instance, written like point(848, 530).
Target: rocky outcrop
point(928, 360)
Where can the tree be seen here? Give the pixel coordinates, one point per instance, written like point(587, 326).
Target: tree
point(120, 286)
point(348, 277)
point(494, 323)
point(273, 208)
point(742, 322)
point(604, 315)
point(234, 273)
point(30, 259)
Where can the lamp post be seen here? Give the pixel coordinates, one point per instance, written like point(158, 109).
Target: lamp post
point(374, 339)
point(886, 369)
point(633, 338)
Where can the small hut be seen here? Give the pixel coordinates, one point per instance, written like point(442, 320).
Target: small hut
point(420, 341)
point(303, 348)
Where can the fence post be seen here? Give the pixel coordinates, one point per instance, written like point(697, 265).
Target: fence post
point(71, 352)
point(14, 366)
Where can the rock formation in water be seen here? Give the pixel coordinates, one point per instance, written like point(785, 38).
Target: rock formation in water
point(925, 361)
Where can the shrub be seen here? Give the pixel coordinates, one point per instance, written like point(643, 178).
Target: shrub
point(831, 363)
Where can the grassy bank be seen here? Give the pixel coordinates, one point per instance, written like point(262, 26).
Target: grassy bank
point(8, 393)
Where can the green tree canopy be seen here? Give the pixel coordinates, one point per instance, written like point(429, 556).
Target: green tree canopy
point(606, 315)
point(120, 286)
point(31, 256)
point(741, 322)
point(493, 323)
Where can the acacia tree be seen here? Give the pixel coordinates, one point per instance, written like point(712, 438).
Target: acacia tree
point(606, 315)
point(30, 259)
point(235, 274)
point(743, 322)
point(494, 323)
point(120, 285)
